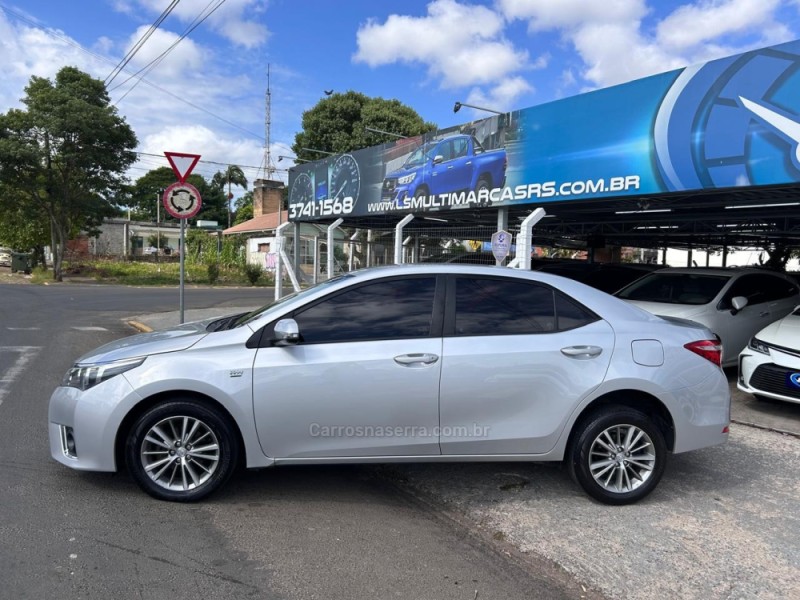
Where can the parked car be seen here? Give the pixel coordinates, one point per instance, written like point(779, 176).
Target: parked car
point(453, 164)
point(5, 257)
point(392, 364)
point(150, 251)
point(770, 365)
point(733, 303)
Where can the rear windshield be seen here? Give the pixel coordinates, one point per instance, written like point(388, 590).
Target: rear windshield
point(675, 288)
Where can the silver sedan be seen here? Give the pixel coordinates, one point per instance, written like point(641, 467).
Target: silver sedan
point(413, 363)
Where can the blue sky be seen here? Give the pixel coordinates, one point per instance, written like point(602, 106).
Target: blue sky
point(501, 54)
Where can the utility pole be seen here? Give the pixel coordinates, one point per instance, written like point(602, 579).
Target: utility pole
point(268, 168)
point(158, 229)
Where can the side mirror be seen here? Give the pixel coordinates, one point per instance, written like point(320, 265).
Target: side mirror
point(287, 333)
point(438, 159)
point(738, 303)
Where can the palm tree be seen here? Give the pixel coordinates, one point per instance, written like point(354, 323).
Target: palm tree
point(233, 175)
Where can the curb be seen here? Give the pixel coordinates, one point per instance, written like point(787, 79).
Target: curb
point(140, 327)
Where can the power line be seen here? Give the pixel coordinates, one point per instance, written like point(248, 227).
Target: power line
point(196, 22)
point(109, 61)
point(141, 41)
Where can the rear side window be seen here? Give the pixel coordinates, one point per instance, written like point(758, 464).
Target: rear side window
point(570, 314)
point(489, 306)
point(385, 310)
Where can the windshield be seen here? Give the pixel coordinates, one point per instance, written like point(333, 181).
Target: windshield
point(247, 317)
point(420, 154)
point(675, 288)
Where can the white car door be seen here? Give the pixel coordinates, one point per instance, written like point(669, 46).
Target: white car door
point(517, 359)
point(364, 379)
point(769, 298)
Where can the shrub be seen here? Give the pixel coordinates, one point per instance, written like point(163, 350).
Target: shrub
point(213, 273)
point(253, 273)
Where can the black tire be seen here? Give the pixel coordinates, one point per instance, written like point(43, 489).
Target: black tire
point(179, 472)
point(621, 477)
point(484, 183)
point(421, 191)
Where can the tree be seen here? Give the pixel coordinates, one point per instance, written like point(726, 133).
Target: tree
point(778, 254)
point(233, 175)
point(23, 226)
point(66, 154)
point(243, 208)
point(337, 124)
point(146, 194)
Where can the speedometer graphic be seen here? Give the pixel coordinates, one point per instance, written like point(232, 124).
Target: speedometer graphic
point(732, 122)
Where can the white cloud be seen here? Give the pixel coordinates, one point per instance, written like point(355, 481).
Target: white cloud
point(184, 57)
point(555, 14)
point(460, 44)
point(615, 46)
point(207, 142)
point(502, 96)
point(161, 122)
point(694, 24)
point(233, 20)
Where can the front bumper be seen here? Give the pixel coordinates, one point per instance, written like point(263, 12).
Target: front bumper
point(769, 375)
point(92, 419)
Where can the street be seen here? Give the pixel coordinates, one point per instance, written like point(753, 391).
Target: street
point(321, 532)
point(722, 524)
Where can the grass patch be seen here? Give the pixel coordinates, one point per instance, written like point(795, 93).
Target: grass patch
point(151, 273)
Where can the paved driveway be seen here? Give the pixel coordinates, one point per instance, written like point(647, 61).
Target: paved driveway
point(723, 523)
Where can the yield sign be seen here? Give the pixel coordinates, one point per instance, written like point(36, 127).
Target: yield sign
point(182, 164)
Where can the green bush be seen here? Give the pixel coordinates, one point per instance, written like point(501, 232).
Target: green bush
point(213, 273)
point(253, 273)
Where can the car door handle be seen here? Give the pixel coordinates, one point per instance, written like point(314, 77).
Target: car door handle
point(418, 358)
point(582, 352)
point(764, 314)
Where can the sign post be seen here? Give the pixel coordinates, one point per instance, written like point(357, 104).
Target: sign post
point(501, 246)
point(182, 201)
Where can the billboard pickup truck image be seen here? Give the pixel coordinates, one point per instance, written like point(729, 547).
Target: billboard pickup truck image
point(453, 164)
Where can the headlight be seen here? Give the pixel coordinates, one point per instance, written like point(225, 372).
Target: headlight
point(758, 346)
point(406, 179)
point(84, 377)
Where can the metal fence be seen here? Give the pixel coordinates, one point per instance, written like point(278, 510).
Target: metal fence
point(361, 248)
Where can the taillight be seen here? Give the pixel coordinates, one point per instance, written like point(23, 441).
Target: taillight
point(708, 349)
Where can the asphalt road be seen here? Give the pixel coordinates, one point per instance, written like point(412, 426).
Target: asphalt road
point(291, 533)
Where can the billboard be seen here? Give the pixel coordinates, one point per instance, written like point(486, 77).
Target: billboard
point(727, 123)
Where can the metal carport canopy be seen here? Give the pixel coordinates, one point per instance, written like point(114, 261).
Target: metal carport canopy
point(701, 157)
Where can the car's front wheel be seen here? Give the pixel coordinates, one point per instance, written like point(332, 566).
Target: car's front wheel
point(618, 455)
point(181, 450)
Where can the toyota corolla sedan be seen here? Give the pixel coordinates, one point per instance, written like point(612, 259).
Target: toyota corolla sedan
point(398, 364)
point(770, 365)
point(733, 303)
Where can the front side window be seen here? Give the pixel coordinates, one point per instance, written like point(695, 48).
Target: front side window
point(759, 288)
point(384, 310)
point(460, 147)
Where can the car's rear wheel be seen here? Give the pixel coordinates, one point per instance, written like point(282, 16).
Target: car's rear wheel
point(618, 455)
point(181, 450)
